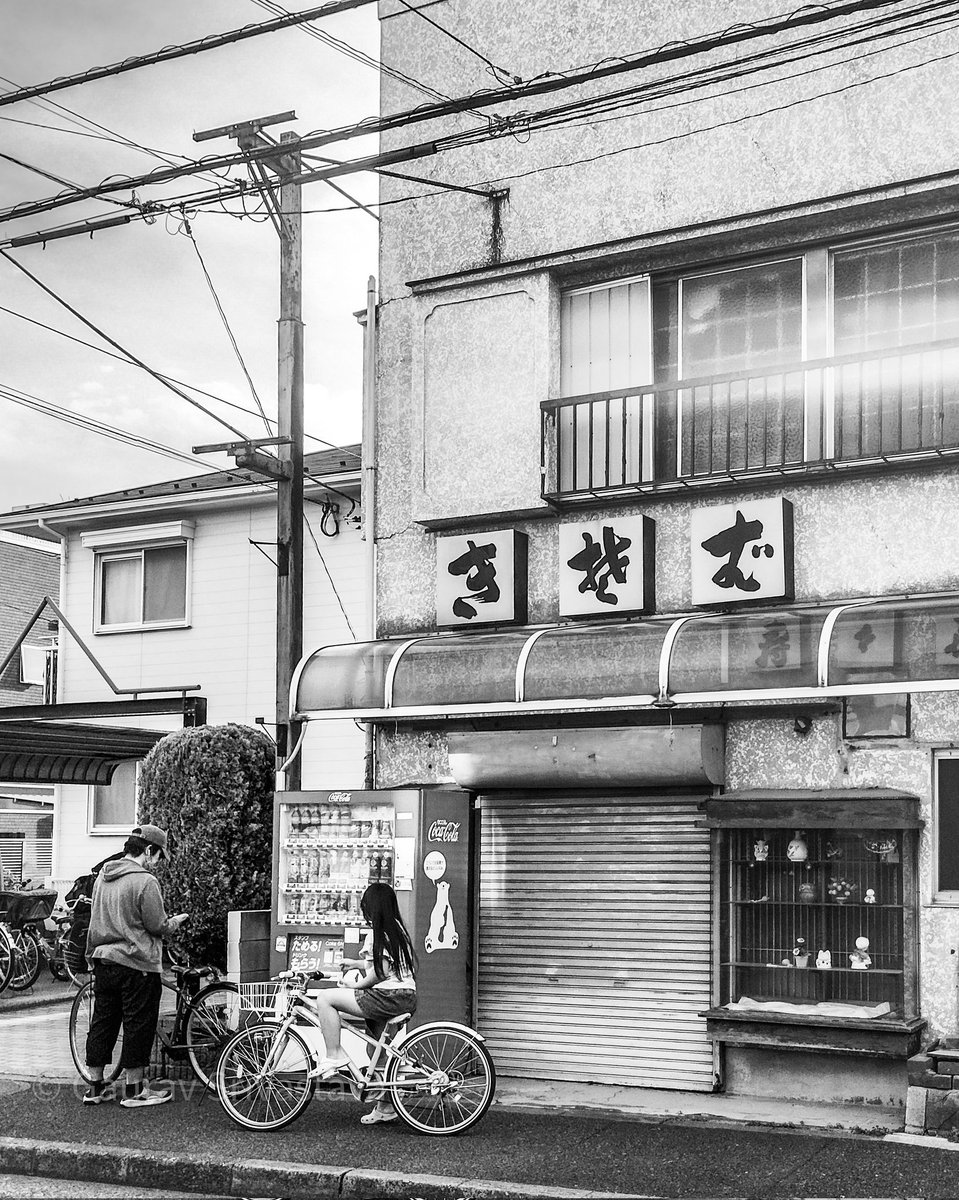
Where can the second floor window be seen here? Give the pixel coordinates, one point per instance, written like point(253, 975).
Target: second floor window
point(141, 577)
point(734, 338)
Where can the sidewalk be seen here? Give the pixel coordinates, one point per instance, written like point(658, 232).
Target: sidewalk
point(46, 990)
point(551, 1153)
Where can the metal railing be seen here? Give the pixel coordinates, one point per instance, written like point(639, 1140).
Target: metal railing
point(864, 408)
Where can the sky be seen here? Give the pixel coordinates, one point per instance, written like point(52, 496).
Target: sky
point(143, 284)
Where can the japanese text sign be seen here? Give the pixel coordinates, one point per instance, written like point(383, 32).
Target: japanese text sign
point(606, 567)
point(481, 579)
point(742, 553)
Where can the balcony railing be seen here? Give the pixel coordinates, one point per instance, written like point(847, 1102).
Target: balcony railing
point(854, 409)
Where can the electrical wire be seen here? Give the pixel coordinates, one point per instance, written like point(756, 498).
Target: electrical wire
point(92, 425)
point(226, 325)
point(165, 382)
point(353, 53)
point(671, 52)
point(323, 562)
point(500, 74)
point(192, 386)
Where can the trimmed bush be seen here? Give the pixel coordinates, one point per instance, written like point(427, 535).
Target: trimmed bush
point(211, 788)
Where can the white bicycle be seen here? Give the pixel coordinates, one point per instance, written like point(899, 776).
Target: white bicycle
point(440, 1077)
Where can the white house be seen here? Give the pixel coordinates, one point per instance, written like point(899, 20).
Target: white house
point(168, 594)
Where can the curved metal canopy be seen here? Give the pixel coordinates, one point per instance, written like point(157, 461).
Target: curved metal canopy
point(853, 647)
point(50, 752)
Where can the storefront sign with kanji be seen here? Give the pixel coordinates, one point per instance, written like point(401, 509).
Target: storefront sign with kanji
point(481, 579)
point(742, 553)
point(606, 567)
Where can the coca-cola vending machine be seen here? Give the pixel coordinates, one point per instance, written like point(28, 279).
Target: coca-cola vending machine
point(328, 846)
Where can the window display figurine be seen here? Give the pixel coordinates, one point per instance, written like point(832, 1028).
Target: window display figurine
point(760, 850)
point(859, 960)
point(869, 897)
point(800, 953)
point(797, 851)
point(824, 960)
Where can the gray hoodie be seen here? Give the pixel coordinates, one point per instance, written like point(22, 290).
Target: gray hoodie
point(128, 920)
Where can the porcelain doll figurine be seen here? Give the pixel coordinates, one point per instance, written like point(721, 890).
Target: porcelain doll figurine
point(869, 897)
point(859, 960)
point(797, 850)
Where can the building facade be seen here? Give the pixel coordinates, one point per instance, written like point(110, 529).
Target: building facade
point(666, 432)
point(170, 595)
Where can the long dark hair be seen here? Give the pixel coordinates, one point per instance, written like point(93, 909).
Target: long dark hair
point(391, 938)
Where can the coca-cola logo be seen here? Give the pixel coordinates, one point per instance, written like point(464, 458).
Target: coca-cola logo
point(340, 798)
point(444, 831)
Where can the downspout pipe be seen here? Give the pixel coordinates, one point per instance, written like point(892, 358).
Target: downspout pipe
point(368, 493)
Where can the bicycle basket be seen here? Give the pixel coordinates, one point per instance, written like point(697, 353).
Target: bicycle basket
point(17, 907)
point(264, 998)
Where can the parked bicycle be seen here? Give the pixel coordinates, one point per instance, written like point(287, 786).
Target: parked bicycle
point(440, 1077)
point(21, 909)
point(205, 1017)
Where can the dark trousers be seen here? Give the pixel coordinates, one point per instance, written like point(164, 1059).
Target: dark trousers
point(123, 997)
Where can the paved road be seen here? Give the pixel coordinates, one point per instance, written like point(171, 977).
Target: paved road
point(29, 1187)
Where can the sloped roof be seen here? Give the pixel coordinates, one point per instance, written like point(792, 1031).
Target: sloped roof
point(317, 465)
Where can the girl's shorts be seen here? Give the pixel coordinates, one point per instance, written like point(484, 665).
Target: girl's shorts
point(381, 1004)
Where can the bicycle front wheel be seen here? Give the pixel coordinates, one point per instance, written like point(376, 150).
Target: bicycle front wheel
point(26, 960)
point(447, 1080)
point(263, 1077)
point(6, 957)
point(210, 1023)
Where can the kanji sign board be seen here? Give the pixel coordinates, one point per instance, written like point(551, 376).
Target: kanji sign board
point(481, 579)
point(742, 553)
point(606, 567)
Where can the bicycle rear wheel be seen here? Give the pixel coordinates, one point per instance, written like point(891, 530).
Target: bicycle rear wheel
point(81, 1016)
point(26, 960)
point(448, 1080)
point(210, 1023)
point(263, 1077)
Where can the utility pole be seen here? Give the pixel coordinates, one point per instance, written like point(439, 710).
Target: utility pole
point(282, 196)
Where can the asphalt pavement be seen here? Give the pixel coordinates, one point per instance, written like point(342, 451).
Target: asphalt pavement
point(192, 1145)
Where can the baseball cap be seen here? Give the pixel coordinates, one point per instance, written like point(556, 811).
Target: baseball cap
point(155, 836)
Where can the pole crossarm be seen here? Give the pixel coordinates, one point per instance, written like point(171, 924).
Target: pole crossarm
point(47, 602)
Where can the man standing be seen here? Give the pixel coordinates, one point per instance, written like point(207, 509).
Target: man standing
point(125, 943)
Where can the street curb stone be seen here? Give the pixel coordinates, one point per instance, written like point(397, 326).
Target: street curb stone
point(199, 1173)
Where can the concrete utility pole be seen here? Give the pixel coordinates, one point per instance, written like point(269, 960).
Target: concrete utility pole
point(284, 205)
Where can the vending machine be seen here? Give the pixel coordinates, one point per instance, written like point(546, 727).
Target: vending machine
point(328, 846)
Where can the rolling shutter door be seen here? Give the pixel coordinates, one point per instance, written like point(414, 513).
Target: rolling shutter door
point(594, 941)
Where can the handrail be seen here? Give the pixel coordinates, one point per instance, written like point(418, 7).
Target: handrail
point(791, 368)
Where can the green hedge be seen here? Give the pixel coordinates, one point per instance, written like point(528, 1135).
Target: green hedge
point(211, 788)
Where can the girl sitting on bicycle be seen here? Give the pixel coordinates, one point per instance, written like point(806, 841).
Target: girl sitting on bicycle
point(387, 989)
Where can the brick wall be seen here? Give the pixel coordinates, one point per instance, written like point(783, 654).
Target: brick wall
point(27, 574)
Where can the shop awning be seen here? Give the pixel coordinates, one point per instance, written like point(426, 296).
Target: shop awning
point(814, 808)
point(853, 647)
point(52, 752)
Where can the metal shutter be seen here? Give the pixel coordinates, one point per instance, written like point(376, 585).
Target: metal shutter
point(594, 941)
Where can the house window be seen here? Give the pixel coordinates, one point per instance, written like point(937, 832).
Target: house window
point(947, 828)
point(736, 336)
point(113, 806)
point(141, 577)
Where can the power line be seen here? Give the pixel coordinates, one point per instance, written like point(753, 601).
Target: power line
point(91, 425)
point(192, 386)
point(226, 326)
point(499, 73)
point(122, 349)
point(357, 55)
point(168, 53)
point(428, 112)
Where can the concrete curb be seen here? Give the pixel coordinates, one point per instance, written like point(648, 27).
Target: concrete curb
point(256, 1177)
point(15, 1002)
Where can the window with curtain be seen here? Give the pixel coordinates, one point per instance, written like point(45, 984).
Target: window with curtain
point(141, 588)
